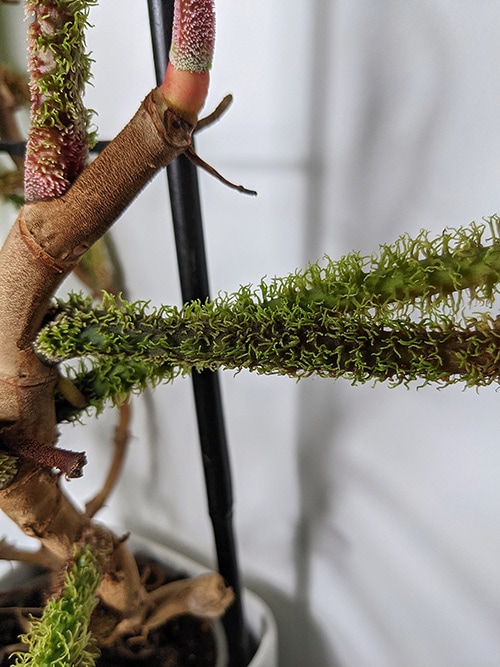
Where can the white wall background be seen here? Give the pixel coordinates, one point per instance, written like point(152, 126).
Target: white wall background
point(366, 517)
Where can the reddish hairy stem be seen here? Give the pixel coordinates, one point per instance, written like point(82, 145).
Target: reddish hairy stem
point(193, 35)
point(57, 146)
point(187, 78)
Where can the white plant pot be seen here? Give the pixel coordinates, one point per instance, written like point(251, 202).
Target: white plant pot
point(258, 615)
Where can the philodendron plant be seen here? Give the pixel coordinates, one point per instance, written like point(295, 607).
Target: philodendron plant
point(68, 206)
point(419, 309)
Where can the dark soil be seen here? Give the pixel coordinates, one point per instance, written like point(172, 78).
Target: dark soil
point(182, 642)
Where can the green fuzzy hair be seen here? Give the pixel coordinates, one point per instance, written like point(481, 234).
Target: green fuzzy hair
point(59, 138)
point(404, 314)
point(61, 636)
point(58, 90)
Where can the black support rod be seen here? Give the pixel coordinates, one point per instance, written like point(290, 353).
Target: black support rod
point(191, 258)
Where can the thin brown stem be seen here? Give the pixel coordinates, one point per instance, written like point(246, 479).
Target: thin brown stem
point(43, 557)
point(120, 441)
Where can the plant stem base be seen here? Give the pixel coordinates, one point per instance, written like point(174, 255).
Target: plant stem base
point(184, 640)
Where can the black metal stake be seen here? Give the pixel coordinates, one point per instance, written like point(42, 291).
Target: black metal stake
point(191, 258)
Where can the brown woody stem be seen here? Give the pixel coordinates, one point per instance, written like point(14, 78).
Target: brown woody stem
point(35, 502)
point(48, 240)
point(44, 245)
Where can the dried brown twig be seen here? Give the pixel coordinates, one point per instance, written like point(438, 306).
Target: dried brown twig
point(120, 441)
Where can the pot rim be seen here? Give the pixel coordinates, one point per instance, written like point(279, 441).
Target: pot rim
point(258, 614)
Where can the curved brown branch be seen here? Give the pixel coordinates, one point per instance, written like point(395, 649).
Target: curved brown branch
point(120, 441)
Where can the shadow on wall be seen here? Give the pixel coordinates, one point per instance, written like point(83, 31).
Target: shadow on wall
point(300, 640)
point(320, 416)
